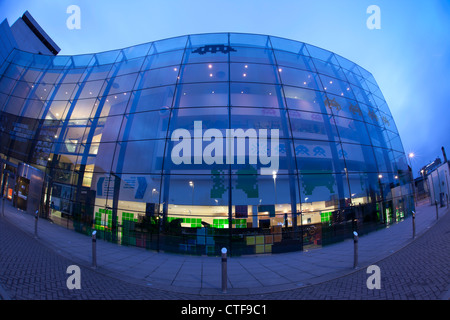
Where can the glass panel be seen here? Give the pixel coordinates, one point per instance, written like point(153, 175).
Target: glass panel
point(215, 118)
point(98, 72)
point(115, 104)
point(352, 131)
point(91, 89)
point(254, 55)
point(314, 126)
point(202, 95)
point(299, 78)
point(294, 60)
point(359, 158)
point(163, 60)
point(256, 95)
point(319, 156)
point(127, 67)
point(55, 111)
point(205, 72)
point(249, 40)
point(139, 156)
point(329, 69)
point(136, 51)
point(286, 44)
point(304, 99)
point(321, 54)
point(247, 72)
point(336, 87)
point(82, 109)
point(168, 45)
point(123, 83)
point(323, 192)
point(157, 77)
point(260, 118)
point(151, 99)
point(144, 125)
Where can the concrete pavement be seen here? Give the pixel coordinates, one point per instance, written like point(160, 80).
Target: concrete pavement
point(247, 275)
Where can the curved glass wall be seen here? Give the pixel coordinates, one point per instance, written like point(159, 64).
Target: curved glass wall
point(189, 144)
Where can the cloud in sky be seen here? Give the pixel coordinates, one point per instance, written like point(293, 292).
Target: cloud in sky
point(409, 56)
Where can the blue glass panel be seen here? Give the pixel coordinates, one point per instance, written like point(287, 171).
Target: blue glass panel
point(82, 60)
point(328, 187)
point(98, 72)
point(136, 51)
point(247, 72)
point(299, 78)
point(260, 118)
point(157, 77)
point(215, 118)
point(83, 108)
point(252, 55)
point(151, 99)
point(298, 61)
point(139, 156)
point(127, 66)
point(319, 156)
point(352, 131)
point(202, 95)
point(359, 158)
point(91, 89)
point(256, 95)
point(249, 40)
point(172, 58)
point(198, 40)
point(6, 84)
point(329, 69)
point(204, 72)
point(287, 45)
point(144, 125)
point(171, 44)
point(105, 154)
point(115, 104)
point(322, 54)
point(123, 83)
point(304, 99)
point(314, 126)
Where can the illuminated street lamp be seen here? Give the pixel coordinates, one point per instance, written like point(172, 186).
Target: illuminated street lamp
point(410, 156)
point(191, 184)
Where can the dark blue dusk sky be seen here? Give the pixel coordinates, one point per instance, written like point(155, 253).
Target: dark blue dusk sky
point(409, 56)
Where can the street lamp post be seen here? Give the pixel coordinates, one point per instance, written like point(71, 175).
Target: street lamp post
point(191, 184)
point(411, 155)
point(274, 175)
point(382, 198)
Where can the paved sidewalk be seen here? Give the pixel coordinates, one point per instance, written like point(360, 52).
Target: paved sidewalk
point(257, 274)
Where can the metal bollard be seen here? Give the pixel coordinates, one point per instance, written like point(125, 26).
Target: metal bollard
point(3, 206)
point(224, 270)
point(437, 210)
point(355, 249)
point(36, 217)
point(94, 249)
point(414, 224)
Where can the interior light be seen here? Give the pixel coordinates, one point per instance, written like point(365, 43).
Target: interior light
point(175, 69)
point(246, 66)
point(279, 70)
point(210, 74)
point(244, 74)
point(210, 66)
point(304, 82)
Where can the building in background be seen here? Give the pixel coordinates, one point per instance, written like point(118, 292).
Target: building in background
point(100, 129)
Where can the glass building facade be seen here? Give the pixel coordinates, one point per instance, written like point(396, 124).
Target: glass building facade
point(129, 143)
